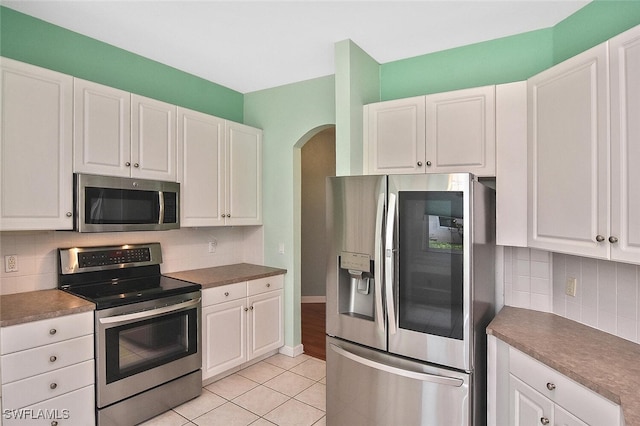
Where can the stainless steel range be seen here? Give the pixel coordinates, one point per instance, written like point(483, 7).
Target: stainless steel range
point(147, 330)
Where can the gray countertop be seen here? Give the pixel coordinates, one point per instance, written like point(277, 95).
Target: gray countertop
point(30, 306)
point(602, 362)
point(229, 274)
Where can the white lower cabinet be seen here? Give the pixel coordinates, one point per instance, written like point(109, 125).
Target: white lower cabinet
point(241, 322)
point(539, 395)
point(48, 372)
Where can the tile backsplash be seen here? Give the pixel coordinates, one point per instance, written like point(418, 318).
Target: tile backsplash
point(607, 293)
point(186, 248)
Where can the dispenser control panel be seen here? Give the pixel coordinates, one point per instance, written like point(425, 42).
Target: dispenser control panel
point(355, 261)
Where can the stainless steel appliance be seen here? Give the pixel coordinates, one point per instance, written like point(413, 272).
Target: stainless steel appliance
point(108, 203)
point(410, 290)
point(147, 330)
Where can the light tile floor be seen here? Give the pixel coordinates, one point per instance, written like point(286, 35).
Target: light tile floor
point(280, 390)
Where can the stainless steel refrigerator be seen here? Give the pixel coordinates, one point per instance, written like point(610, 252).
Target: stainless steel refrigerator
point(410, 290)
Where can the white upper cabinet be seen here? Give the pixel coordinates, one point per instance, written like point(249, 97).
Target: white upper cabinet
point(244, 174)
point(220, 171)
point(569, 156)
point(441, 133)
point(117, 133)
point(153, 139)
point(36, 139)
point(102, 129)
point(461, 132)
point(395, 136)
point(625, 146)
point(201, 168)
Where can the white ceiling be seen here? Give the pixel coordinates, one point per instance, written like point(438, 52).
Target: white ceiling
point(253, 45)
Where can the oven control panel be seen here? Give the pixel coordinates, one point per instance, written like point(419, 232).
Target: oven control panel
point(87, 259)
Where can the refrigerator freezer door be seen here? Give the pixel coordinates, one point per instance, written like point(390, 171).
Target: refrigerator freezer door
point(355, 223)
point(367, 387)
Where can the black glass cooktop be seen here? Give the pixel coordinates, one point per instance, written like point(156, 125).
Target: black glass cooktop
point(120, 292)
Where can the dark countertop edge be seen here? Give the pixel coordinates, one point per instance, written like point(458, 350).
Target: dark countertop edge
point(83, 306)
point(244, 278)
point(630, 406)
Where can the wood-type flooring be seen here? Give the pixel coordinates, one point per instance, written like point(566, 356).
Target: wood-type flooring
point(313, 329)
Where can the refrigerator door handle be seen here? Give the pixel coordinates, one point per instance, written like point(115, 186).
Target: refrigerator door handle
point(379, 318)
point(389, 259)
point(425, 377)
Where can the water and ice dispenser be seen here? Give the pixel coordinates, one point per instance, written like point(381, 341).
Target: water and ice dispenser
point(356, 285)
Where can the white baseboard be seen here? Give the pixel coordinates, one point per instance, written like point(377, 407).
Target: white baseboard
point(313, 299)
point(292, 351)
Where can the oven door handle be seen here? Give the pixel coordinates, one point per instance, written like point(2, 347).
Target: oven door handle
point(150, 313)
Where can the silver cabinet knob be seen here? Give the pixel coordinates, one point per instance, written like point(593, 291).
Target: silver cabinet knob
point(226, 293)
point(53, 331)
point(428, 163)
point(69, 214)
point(599, 238)
point(54, 423)
point(268, 284)
point(251, 308)
point(419, 163)
point(246, 309)
point(228, 214)
point(53, 385)
point(53, 358)
point(551, 386)
point(128, 164)
point(136, 165)
point(613, 240)
point(544, 420)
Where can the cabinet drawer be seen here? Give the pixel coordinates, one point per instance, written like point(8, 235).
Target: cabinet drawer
point(71, 409)
point(574, 397)
point(33, 334)
point(48, 385)
point(262, 285)
point(225, 293)
point(20, 365)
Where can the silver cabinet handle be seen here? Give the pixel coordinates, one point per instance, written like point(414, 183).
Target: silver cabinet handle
point(136, 165)
point(551, 386)
point(268, 284)
point(226, 293)
point(224, 215)
point(419, 163)
point(599, 238)
point(544, 420)
point(53, 331)
point(246, 309)
point(128, 164)
point(54, 423)
point(53, 385)
point(69, 214)
point(417, 375)
point(53, 358)
point(613, 240)
point(428, 163)
point(228, 214)
point(251, 308)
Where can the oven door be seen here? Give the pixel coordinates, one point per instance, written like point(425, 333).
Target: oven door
point(143, 345)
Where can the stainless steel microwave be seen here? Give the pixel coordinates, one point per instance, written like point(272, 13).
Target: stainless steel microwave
point(110, 204)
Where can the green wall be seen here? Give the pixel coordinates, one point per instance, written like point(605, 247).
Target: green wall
point(290, 115)
point(37, 42)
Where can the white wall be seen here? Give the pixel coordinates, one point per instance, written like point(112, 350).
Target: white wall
point(182, 249)
point(607, 293)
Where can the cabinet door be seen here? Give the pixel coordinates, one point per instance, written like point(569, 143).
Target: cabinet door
point(244, 175)
point(625, 140)
point(102, 129)
point(564, 418)
point(266, 330)
point(201, 168)
point(224, 333)
point(153, 139)
point(36, 156)
point(568, 156)
point(461, 131)
point(395, 136)
point(526, 406)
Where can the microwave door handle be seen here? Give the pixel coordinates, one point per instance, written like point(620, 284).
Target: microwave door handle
point(389, 259)
point(417, 375)
point(160, 207)
point(377, 296)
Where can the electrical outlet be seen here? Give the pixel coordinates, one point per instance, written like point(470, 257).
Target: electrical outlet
point(11, 263)
point(571, 287)
point(213, 245)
